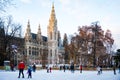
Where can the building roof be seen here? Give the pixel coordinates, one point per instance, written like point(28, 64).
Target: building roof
point(44, 38)
point(34, 36)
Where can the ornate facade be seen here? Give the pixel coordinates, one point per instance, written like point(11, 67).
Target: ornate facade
point(40, 49)
point(35, 46)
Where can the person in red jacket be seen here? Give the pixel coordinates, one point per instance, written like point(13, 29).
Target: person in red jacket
point(80, 68)
point(21, 67)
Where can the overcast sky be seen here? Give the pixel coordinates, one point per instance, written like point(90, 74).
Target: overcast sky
point(70, 14)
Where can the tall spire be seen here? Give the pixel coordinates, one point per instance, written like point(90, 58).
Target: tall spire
point(39, 38)
point(28, 22)
point(39, 29)
point(52, 21)
point(28, 27)
point(53, 12)
point(28, 32)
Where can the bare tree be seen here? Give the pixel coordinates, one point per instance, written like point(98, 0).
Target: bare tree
point(10, 30)
point(90, 46)
point(5, 4)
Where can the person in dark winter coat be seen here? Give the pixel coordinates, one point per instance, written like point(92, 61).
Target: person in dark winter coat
point(34, 67)
point(119, 68)
point(60, 67)
point(12, 67)
point(21, 67)
point(47, 69)
point(114, 70)
point(72, 68)
point(64, 68)
point(50, 69)
point(29, 72)
point(100, 69)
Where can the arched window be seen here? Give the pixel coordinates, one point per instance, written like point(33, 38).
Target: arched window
point(29, 50)
point(50, 53)
point(55, 52)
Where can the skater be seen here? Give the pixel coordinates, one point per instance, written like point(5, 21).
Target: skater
point(119, 68)
point(60, 68)
point(21, 67)
point(47, 69)
point(29, 71)
point(72, 68)
point(80, 68)
point(50, 69)
point(64, 68)
point(12, 67)
point(98, 69)
point(114, 70)
point(34, 67)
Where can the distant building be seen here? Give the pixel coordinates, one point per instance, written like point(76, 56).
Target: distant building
point(41, 49)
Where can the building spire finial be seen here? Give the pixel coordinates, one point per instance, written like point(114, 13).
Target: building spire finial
point(53, 16)
point(28, 21)
point(39, 29)
point(53, 4)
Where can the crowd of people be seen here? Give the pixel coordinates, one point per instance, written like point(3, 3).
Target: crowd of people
point(32, 68)
point(98, 68)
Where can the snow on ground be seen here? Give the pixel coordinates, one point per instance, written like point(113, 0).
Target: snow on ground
point(60, 75)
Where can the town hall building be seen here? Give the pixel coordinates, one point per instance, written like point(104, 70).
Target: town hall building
point(44, 50)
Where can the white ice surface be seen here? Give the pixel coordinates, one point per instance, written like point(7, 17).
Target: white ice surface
point(60, 75)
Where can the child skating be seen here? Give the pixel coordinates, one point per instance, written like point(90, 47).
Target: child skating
point(29, 72)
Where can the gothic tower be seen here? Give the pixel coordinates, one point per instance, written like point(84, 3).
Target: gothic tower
point(28, 39)
point(52, 33)
point(28, 36)
point(39, 36)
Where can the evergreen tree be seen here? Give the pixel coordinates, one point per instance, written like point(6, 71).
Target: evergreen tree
point(65, 40)
point(65, 45)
